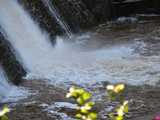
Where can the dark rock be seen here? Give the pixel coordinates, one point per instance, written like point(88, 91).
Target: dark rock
point(78, 14)
point(82, 14)
point(75, 13)
point(12, 67)
point(153, 4)
point(101, 9)
point(128, 8)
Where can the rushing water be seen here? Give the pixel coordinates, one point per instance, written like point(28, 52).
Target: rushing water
point(66, 62)
point(8, 92)
point(4, 86)
point(55, 14)
point(25, 36)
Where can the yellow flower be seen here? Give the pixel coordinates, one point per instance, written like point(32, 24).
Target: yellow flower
point(110, 87)
point(4, 111)
point(119, 88)
point(116, 88)
point(125, 103)
point(71, 92)
point(120, 111)
point(68, 95)
point(72, 89)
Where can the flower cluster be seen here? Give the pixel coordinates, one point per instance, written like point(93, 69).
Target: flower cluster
point(84, 109)
point(3, 113)
point(115, 92)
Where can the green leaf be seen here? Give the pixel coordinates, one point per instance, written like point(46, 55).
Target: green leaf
point(78, 116)
point(92, 116)
point(74, 94)
point(80, 101)
point(84, 105)
point(90, 104)
point(86, 96)
point(119, 88)
point(112, 95)
point(126, 108)
point(80, 91)
point(4, 117)
point(111, 116)
point(84, 110)
point(119, 118)
point(4, 111)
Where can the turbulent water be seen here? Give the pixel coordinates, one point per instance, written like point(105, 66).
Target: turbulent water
point(31, 44)
point(8, 92)
point(67, 63)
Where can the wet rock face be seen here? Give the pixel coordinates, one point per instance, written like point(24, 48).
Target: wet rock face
point(12, 67)
point(75, 13)
point(84, 13)
point(41, 15)
point(102, 9)
point(153, 4)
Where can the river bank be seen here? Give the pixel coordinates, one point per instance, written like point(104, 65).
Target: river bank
point(144, 103)
point(138, 68)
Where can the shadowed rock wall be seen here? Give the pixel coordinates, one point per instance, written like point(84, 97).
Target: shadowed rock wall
point(82, 14)
point(75, 13)
point(12, 67)
point(153, 6)
point(129, 8)
point(101, 9)
point(78, 14)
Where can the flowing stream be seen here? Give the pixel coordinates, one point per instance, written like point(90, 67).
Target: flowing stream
point(66, 63)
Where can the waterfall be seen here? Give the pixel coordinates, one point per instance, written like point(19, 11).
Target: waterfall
point(66, 62)
point(8, 92)
point(55, 14)
point(4, 86)
point(61, 63)
point(25, 36)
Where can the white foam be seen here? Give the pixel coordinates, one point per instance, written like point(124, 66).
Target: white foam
point(64, 63)
point(8, 92)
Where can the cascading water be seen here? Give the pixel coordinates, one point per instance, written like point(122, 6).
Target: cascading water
point(8, 92)
point(64, 62)
point(55, 14)
point(4, 86)
point(24, 35)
